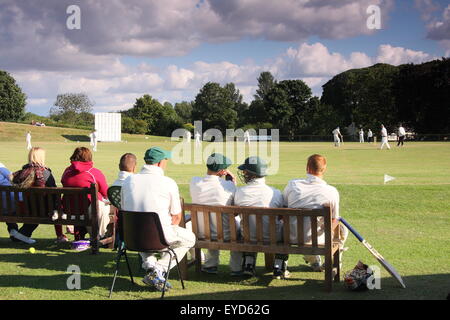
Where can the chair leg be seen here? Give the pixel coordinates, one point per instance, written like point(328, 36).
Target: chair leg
point(119, 255)
point(128, 265)
point(337, 265)
point(167, 275)
point(328, 271)
point(178, 268)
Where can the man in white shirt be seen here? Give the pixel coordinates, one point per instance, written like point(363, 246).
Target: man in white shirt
point(197, 139)
point(401, 135)
point(313, 193)
point(384, 138)
point(151, 191)
point(256, 193)
point(369, 136)
point(28, 139)
point(336, 134)
point(127, 167)
point(361, 135)
point(215, 191)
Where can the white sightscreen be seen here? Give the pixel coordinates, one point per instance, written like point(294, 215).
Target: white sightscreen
point(108, 126)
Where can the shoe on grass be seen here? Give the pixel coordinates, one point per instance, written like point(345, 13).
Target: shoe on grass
point(317, 267)
point(155, 280)
point(18, 236)
point(239, 273)
point(249, 270)
point(210, 270)
point(281, 274)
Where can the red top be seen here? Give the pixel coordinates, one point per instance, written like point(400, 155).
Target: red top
point(82, 174)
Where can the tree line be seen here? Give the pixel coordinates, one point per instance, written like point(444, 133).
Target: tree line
point(415, 95)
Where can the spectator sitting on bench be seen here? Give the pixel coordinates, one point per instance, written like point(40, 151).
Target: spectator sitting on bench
point(127, 167)
point(33, 174)
point(313, 193)
point(81, 174)
point(256, 193)
point(214, 191)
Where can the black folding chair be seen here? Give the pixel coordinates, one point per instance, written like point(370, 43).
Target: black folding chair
point(142, 232)
point(114, 196)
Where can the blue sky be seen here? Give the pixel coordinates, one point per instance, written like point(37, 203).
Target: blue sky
point(171, 49)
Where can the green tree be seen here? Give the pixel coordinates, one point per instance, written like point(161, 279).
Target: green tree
point(184, 111)
point(215, 107)
point(71, 107)
point(266, 82)
point(12, 99)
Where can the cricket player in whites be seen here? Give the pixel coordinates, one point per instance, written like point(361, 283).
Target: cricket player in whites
point(336, 135)
point(93, 137)
point(361, 135)
point(188, 136)
point(28, 139)
point(197, 136)
point(401, 135)
point(247, 137)
point(313, 192)
point(256, 193)
point(384, 138)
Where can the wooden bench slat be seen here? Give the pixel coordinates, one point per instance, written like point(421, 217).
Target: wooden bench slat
point(272, 230)
point(194, 222)
point(259, 229)
point(2, 205)
point(232, 224)
point(16, 204)
point(207, 219)
point(246, 230)
point(41, 200)
point(314, 231)
point(32, 199)
point(9, 208)
point(219, 225)
point(300, 233)
point(286, 230)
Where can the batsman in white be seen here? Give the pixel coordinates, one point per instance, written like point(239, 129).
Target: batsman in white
point(337, 136)
point(384, 138)
point(28, 139)
point(361, 135)
point(369, 136)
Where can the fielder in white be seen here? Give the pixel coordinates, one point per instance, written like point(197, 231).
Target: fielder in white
point(401, 135)
point(247, 137)
point(256, 193)
point(197, 139)
point(28, 140)
point(384, 138)
point(188, 136)
point(369, 136)
point(151, 191)
point(361, 136)
point(215, 191)
point(313, 193)
point(337, 136)
point(93, 142)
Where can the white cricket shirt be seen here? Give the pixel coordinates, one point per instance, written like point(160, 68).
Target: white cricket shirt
point(310, 193)
point(151, 191)
point(258, 194)
point(121, 178)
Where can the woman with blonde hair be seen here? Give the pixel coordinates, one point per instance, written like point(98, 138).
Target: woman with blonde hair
point(33, 174)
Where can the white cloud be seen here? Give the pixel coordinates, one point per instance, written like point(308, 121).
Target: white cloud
point(399, 55)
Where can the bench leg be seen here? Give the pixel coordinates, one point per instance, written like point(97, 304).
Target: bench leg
point(337, 266)
point(268, 261)
point(198, 260)
point(328, 271)
point(183, 267)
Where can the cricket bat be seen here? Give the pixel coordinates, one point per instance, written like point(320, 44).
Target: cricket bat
point(375, 253)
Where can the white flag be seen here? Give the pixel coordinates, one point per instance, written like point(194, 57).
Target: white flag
point(387, 178)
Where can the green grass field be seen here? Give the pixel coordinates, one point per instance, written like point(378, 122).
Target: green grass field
point(407, 220)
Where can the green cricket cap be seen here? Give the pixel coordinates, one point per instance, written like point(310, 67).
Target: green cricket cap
point(217, 162)
point(156, 154)
point(255, 165)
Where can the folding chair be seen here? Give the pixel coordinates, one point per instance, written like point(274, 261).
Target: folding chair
point(114, 197)
point(142, 232)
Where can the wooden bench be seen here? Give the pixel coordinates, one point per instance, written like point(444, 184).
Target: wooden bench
point(37, 205)
point(329, 249)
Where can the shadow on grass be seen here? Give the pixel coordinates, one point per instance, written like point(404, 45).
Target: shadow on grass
point(47, 269)
point(81, 138)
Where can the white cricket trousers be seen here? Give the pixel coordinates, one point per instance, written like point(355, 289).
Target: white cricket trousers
point(361, 139)
point(183, 239)
point(337, 141)
point(384, 141)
